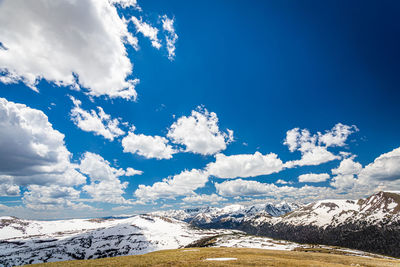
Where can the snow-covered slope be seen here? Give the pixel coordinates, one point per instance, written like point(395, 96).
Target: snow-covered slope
point(28, 241)
point(25, 241)
point(371, 224)
point(11, 227)
point(382, 207)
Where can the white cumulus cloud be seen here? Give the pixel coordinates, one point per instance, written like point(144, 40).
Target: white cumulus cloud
point(280, 181)
point(131, 172)
point(52, 197)
point(31, 151)
point(344, 182)
point(7, 186)
point(313, 177)
point(381, 174)
point(314, 147)
point(171, 37)
point(240, 188)
point(337, 136)
point(178, 185)
point(200, 133)
point(126, 3)
point(386, 167)
point(147, 146)
point(244, 165)
point(347, 167)
point(147, 30)
point(314, 156)
point(203, 198)
point(105, 185)
point(99, 122)
point(71, 43)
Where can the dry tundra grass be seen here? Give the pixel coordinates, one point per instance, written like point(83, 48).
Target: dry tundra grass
point(245, 257)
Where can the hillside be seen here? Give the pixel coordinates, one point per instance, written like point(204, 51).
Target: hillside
point(234, 257)
point(371, 224)
point(53, 241)
point(26, 241)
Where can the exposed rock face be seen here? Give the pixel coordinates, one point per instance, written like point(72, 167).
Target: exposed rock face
point(371, 224)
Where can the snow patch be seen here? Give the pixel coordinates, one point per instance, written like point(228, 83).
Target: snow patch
point(392, 205)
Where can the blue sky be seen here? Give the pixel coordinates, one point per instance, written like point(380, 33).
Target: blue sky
point(318, 77)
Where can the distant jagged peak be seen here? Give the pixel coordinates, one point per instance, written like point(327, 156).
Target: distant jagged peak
point(379, 207)
point(234, 212)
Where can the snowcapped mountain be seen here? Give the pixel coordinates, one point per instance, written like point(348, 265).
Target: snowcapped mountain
point(371, 224)
point(26, 241)
point(29, 241)
point(380, 208)
point(209, 215)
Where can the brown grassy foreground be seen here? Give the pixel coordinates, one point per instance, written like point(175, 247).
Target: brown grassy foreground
point(245, 257)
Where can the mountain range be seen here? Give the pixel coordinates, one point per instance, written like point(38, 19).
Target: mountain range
point(371, 224)
point(204, 216)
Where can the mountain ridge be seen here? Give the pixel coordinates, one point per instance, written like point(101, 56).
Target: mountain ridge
point(371, 224)
point(208, 214)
